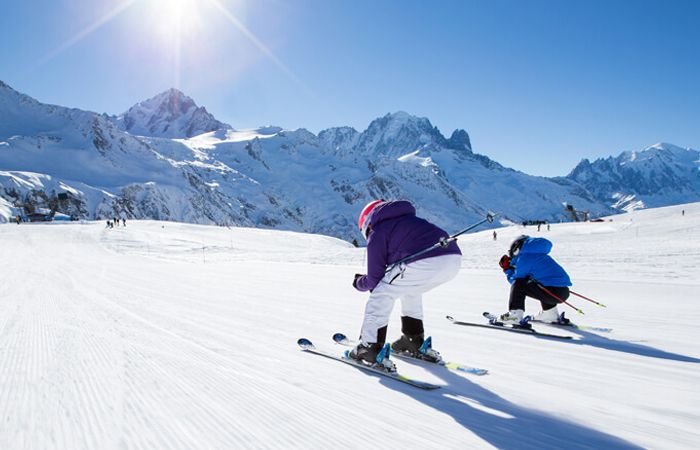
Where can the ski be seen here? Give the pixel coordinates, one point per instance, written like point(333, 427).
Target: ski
point(562, 321)
point(340, 338)
point(307, 346)
point(500, 326)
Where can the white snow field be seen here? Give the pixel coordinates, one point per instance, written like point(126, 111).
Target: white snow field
point(167, 335)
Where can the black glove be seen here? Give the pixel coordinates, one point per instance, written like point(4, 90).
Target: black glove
point(504, 262)
point(357, 277)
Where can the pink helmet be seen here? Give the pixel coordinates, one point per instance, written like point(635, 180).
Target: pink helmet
point(362, 222)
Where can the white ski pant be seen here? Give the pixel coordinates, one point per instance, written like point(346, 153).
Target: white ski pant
point(417, 278)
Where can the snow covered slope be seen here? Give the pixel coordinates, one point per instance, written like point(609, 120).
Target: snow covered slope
point(659, 175)
point(170, 335)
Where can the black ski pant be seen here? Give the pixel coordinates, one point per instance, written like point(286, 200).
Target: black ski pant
point(522, 287)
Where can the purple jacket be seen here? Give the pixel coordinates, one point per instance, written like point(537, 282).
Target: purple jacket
point(396, 233)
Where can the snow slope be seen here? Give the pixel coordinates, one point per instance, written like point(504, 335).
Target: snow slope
point(167, 335)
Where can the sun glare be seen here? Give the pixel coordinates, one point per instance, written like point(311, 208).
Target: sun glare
point(180, 31)
point(175, 18)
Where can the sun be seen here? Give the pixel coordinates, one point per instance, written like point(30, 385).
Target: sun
point(175, 18)
point(179, 30)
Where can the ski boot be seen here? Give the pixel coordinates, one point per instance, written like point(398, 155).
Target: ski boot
point(512, 317)
point(515, 318)
point(373, 354)
point(416, 347)
point(548, 316)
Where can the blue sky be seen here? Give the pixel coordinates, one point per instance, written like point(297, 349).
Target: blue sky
point(537, 84)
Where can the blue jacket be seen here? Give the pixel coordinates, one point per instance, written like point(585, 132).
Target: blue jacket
point(533, 261)
point(396, 233)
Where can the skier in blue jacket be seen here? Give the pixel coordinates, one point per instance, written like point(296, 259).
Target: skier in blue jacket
point(528, 267)
point(393, 232)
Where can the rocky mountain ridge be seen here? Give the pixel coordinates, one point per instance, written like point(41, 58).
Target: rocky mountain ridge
point(170, 165)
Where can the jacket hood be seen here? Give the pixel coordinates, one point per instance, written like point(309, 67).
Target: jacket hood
point(536, 246)
point(391, 210)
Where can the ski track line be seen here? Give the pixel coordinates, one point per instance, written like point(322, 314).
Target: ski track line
point(82, 422)
point(220, 418)
point(156, 372)
point(260, 387)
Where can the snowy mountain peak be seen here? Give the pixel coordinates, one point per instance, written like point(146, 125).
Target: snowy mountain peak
point(170, 114)
point(340, 140)
point(657, 175)
point(398, 134)
point(664, 146)
point(395, 122)
point(460, 141)
point(10, 96)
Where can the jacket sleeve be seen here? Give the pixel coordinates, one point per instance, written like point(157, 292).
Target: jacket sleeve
point(376, 262)
point(523, 268)
point(509, 274)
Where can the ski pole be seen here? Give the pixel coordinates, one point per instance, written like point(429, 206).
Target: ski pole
point(560, 300)
point(489, 218)
point(589, 299)
point(442, 243)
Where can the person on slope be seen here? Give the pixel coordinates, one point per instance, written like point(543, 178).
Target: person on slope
point(528, 268)
point(393, 232)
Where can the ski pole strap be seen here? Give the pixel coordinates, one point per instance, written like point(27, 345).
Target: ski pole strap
point(589, 299)
point(443, 242)
point(557, 297)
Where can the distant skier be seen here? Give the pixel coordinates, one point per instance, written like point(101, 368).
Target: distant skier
point(528, 266)
point(393, 232)
point(495, 235)
point(124, 222)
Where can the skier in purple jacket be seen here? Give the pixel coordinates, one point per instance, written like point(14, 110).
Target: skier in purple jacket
point(393, 232)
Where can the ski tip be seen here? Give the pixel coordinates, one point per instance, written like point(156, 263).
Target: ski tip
point(339, 338)
point(305, 343)
point(450, 318)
